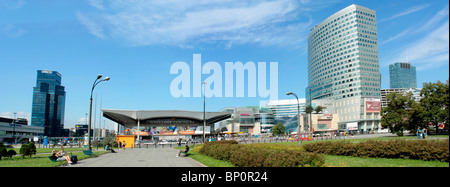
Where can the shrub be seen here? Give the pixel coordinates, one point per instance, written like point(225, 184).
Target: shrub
point(407, 149)
point(11, 153)
point(2, 150)
point(222, 142)
point(24, 150)
point(32, 148)
point(260, 155)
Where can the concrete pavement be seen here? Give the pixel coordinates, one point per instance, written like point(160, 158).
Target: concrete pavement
point(156, 157)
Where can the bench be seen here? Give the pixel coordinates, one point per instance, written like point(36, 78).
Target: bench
point(88, 152)
point(53, 160)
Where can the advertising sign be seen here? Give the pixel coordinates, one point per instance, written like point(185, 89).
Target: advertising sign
point(373, 106)
point(172, 130)
point(352, 126)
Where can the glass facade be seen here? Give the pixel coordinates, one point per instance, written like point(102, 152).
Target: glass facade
point(402, 75)
point(343, 56)
point(343, 65)
point(48, 103)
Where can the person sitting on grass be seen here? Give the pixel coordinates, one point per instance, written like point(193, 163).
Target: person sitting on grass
point(184, 152)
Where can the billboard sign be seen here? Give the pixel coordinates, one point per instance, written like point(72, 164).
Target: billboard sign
point(352, 126)
point(373, 106)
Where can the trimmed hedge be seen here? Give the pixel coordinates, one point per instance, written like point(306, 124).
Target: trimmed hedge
point(407, 149)
point(261, 156)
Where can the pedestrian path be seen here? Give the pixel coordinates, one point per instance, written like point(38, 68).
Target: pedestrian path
point(162, 157)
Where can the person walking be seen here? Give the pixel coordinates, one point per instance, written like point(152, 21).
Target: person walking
point(124, 144)
point(120, 145)
point(424, 133)
point(419, 133)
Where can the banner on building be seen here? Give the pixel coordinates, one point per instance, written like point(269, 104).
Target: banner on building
point(373, 106)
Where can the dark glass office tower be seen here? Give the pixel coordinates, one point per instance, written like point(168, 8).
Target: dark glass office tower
point(48, 103)
point(402, 75)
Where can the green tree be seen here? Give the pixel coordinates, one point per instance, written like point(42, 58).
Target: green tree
point(11, 153)
point(25, 150)
point(318, 109)
point(397, 114)
point(278, 129)
point(2, 150)
point(32, 148)
point(435, 103)
point(309, 109)
point(111, 140)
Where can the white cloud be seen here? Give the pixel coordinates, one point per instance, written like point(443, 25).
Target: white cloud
point(432, 50)
point(12, 31)
point(191, 22)
point(20, 114)
point(93, 27)
point(406, 12)
point(12, 4)
point(397, 36)
point(97, 4)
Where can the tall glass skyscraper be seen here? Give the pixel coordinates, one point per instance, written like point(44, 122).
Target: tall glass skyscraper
point(402, 75)
point(48, 103)
point(343, 55)
point(343, 66)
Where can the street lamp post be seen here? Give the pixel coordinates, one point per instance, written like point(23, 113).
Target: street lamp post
point(90, 108)
point(204, 112)
point(298, 117)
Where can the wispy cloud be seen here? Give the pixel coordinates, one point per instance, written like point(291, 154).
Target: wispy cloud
point(427, 44)
point(11, 31)
point(192, 22)
point(432, 49)
point(21, 114)
point(12, 4)
point(406, 12)
point(93, 27)
point(397, 36)
point(97, 4)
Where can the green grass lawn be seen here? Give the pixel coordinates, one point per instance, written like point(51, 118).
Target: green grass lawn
point(348, 161)
point(39, 160)
point(339, 161)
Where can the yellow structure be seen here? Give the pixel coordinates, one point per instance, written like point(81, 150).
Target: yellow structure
point(129, 140)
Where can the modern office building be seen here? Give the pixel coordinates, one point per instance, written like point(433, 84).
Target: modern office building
point(18, 130)
point(286, 107)
point(415, 93)
point(48, 103)
point(402, 75)
point(251, 120)
point(285, 111)
point(343, 66)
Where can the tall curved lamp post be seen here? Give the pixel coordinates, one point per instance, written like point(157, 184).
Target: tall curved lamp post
point(298, 117)
point(96, 82)
point(204, 113)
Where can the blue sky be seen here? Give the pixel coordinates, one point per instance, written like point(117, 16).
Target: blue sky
point(135, 42)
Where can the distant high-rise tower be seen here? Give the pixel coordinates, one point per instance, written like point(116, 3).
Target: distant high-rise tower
point(402, 75)
point(48, 103)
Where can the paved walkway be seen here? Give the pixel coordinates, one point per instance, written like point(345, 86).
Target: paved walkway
point(159, 157)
